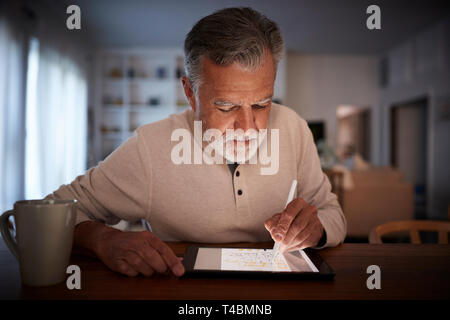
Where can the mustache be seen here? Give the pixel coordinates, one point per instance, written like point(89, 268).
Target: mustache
point(239, 136)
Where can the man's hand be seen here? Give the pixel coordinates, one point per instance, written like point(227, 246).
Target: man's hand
point(129, 253)
point(132, 253)
point(297, 227)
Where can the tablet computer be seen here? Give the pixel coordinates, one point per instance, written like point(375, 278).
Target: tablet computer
point(250, 262)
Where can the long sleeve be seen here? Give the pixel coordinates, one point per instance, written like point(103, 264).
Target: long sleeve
point(118, 188)
point(315, 188)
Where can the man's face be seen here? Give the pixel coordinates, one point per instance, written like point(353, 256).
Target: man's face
point(232, 97)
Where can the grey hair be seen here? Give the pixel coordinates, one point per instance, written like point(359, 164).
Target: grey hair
point(231, 35)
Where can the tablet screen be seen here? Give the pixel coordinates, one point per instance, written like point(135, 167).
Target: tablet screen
point(233, 259)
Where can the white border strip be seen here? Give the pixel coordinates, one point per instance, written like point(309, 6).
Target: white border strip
point(308, 261)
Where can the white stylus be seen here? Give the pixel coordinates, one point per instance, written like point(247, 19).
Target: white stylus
point(290, 198)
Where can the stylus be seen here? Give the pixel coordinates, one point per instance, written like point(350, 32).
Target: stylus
point(290, 198)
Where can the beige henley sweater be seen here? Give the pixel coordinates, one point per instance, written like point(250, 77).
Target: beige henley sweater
point(202, 202)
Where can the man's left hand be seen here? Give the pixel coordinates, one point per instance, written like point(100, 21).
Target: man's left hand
point(297, 227)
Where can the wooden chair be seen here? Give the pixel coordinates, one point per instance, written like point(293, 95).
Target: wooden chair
point(413, 226)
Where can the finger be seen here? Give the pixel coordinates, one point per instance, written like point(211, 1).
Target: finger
point(292, 248)
point(316, 234)
point(310, 232)
point(138, 264)
point(167, 254)
point(296, 246)
point(154, 259)
point(297, 226)
point(308, 242)
point(124, 268)
point(270, 223)
point(287, 216)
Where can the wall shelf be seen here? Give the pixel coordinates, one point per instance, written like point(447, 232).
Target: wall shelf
point(133, 87)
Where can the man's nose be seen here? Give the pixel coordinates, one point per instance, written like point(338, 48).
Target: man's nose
point(245, 119)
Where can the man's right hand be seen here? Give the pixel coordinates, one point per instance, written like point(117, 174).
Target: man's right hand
point(132, 253)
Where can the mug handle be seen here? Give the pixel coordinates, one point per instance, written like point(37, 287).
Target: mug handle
point(6, 233)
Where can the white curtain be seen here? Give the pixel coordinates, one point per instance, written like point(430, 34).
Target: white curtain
point(43, 106)
point(56, 144)
point(11, 114)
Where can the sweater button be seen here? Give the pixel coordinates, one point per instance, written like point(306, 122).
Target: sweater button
point(239, 192)
point(237, 173)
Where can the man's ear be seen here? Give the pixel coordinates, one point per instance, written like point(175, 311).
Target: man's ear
point(189, 92)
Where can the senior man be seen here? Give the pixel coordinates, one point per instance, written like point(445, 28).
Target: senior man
point(231, 59)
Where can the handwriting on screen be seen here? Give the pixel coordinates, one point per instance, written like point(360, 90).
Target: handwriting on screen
point(252, 260)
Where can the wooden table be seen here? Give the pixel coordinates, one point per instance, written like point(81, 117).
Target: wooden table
point(407, 272)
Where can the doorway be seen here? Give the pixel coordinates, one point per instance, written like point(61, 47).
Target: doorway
point(409, 148)
point(354, 131)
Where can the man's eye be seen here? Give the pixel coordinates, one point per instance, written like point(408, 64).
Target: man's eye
point(258, 106)
point(227, 110)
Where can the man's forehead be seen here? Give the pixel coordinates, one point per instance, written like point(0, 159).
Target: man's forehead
point(254, 90)
point(253, 99)
point(237, 77)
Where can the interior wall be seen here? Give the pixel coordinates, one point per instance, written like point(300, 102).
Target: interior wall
point(411, 143)
point(418, 68)
point(318, 84)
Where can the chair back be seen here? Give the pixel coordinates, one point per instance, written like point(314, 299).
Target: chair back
point(413, 226)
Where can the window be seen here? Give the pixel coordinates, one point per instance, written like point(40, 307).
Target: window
point(32, 190)
point(56, 121)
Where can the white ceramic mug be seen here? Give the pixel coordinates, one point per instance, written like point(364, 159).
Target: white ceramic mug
point(43, 241)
